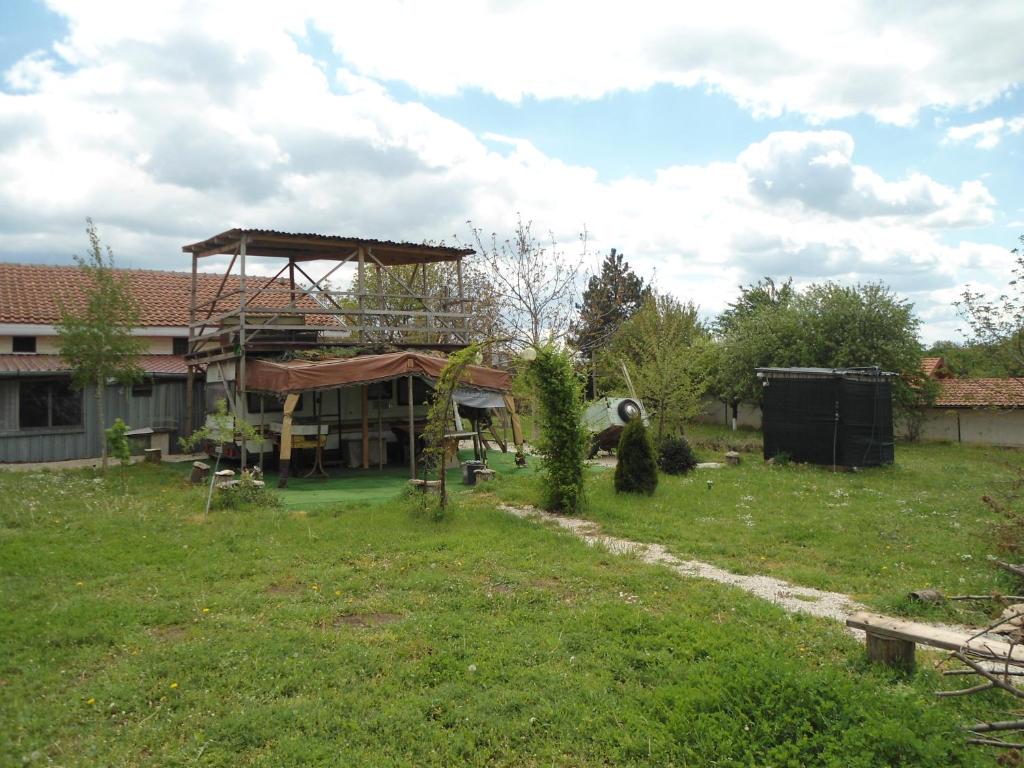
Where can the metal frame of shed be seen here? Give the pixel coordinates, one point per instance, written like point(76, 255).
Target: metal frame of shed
point(256, 314)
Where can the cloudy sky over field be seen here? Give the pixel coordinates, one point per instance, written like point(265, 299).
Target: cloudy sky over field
point(713, 144)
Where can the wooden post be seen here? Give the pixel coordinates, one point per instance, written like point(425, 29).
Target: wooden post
point(412, 431)
point(517, 430)
point(286, 440)
point(891, 651)
point(380, 435)
point(366, 427)
point(464, 322)
point(341, 450)
point(291, 280)
point(263, 399)
point(190, 405)
point(240, 375)
point(361, 283)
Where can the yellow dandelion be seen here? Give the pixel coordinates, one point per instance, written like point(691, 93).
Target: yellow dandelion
point(90, 701)
point(337, 593)
point(174, 685)
point(79, 583)
point(206, 610)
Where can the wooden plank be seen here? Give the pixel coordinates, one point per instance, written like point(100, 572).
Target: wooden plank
point(936, 637)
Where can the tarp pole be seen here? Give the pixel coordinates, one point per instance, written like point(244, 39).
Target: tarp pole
point(517, 432)
point(412, 431)
point(366, 426)
point(380, 435)
point(286, 440)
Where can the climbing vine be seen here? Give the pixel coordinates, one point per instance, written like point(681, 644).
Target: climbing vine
point(437, 417)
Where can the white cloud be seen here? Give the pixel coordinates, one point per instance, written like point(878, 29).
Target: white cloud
point(166, 128)
point(822, 60)
point(987, 134)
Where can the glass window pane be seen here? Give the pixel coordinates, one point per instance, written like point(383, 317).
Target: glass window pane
point(33, 404)
point(67, 405)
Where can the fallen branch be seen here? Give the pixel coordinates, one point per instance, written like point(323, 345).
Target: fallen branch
point(995, 743)
point(1017, 570)
point(994, 679)
point(966, 691)
point(996, 598)
point(999, 725)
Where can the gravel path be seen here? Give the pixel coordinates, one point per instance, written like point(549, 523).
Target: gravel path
point(789, 597)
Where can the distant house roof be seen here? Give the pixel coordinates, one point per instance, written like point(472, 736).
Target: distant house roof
point(40, 365)
point(980, 393)
point(32, 293)
point(311, 246)
point(934, 368)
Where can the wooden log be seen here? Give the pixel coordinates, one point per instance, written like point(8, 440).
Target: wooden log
point(891, 651)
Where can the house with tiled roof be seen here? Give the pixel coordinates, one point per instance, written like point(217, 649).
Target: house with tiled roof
point(41, 417)
point(984, 411)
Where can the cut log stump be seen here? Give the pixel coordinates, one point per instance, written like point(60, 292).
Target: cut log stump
point(200, 472)
point(891, 651)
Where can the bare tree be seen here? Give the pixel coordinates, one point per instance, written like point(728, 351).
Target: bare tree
point(536, 282)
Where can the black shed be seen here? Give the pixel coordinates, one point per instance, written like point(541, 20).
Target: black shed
point(838, 416)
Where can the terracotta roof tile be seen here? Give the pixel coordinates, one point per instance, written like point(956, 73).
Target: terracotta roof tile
point(36, 364)
point(32, 293)
point(931, 365)
point(980, 393)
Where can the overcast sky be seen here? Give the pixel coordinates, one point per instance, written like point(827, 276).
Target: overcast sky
point(713, 143)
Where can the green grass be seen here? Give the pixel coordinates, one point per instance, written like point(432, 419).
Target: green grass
point(134, 633)
point(876, 534)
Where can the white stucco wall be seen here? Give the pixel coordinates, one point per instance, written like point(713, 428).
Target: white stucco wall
point(48, 345)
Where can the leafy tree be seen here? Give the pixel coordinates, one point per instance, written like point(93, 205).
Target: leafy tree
point(998, 322)
point(825, 325)
point(96, 338)
point(636, 470)
point(977, 360)
point(610, 298)
point(666, 351)
point(753, 298)
point(563, 440)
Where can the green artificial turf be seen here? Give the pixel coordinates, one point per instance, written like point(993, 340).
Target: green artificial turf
point(134, 632)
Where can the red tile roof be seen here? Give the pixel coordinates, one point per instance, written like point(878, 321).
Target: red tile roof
point(167, 365)
point(931, 366)
point(980, 393)
point(32, 293)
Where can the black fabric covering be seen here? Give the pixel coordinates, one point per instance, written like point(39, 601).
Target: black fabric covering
point(835, 419)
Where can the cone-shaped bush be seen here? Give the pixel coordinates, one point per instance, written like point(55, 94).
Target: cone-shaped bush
point(675, 457)
point(636, 471)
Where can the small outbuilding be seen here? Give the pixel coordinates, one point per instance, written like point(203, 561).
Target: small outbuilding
point(837, 416)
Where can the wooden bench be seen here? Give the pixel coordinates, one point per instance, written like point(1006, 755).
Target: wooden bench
point(892, 641)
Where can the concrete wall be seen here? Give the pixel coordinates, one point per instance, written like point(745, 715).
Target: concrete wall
point(164, 407)
point(974, 426)
point(714, 411)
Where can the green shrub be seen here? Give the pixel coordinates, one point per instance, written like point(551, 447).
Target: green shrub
point(563, 441)
point(248, 492)
point(636, 471)
point(675, 457)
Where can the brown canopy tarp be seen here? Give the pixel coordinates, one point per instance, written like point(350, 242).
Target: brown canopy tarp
point(304, 376)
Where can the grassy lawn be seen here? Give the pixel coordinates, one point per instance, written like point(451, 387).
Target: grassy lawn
point(876, 534)
point(132, 632)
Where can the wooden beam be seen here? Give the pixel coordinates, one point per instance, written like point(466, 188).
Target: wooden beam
point(284, 465)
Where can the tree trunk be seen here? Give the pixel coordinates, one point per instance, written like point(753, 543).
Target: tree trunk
point(101, 386)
